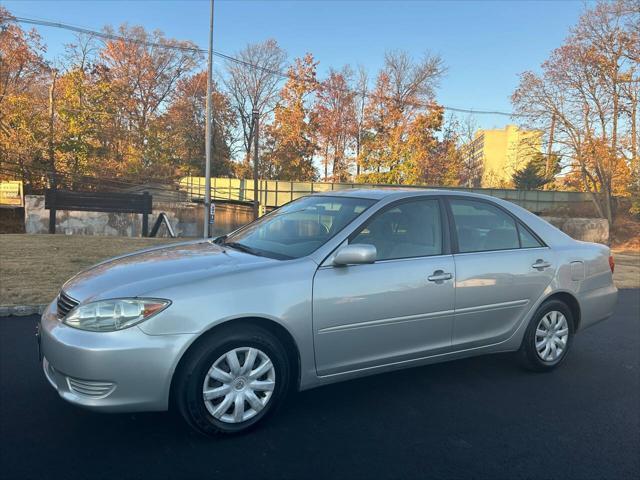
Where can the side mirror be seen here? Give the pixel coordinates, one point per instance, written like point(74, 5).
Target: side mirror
point(355, 254)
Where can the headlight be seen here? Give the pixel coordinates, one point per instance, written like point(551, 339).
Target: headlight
point(111, 315)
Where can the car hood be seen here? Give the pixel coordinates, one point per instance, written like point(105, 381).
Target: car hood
point(145, 271)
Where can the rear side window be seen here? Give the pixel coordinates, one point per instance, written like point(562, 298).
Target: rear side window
point(481, 227)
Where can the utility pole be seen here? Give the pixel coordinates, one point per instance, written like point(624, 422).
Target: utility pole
point(53, 181)
point(208, 128)
point(552, 130)
point(256, 139)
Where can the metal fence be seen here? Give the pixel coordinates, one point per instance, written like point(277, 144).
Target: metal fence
point(273, 193)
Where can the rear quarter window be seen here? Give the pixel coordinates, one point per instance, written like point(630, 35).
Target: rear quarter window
point(527, 240)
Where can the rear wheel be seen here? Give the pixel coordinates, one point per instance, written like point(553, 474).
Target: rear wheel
point(548, 337)
point(233, 381)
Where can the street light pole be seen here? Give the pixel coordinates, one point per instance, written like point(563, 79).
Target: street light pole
point(208, 128)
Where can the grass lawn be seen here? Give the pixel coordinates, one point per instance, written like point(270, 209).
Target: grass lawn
point(34, 267)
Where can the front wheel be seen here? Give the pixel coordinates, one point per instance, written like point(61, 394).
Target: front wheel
point(548, 337)
point(232, 381)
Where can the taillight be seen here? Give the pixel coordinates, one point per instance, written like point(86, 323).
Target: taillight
point(612, 263)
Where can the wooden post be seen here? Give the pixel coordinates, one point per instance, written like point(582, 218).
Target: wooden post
point(145, 216)
point(52, 211)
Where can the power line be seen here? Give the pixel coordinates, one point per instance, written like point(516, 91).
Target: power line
point(107, 36)
point(189, 46)
point(167, 46)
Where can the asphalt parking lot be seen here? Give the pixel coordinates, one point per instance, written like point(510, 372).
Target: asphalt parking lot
point(481, 418)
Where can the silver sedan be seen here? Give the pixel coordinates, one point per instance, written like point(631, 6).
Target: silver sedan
point(326, 288)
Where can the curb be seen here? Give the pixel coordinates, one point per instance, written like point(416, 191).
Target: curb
point(21, 310)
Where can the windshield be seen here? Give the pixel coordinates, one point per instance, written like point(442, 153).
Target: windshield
point(298, 228)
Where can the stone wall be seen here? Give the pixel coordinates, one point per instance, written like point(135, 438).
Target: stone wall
point(185, 218)
point(585, 229)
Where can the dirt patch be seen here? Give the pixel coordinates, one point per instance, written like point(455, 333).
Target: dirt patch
point(33, 267)
point(625, 234)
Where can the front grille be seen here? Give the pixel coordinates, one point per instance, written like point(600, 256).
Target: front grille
point(65, 304)
point(89, 388)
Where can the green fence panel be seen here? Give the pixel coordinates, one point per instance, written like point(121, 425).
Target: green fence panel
point(274, 193)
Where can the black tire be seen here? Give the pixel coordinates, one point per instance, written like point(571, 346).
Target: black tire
point(188, 387)
point(528, 354)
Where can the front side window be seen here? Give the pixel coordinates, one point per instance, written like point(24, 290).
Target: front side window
point(410, 229)
point(482, 227)
point(298, 228)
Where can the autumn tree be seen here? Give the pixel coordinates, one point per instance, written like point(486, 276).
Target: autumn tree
point(21, 62)
point(253, 83)
point(631, 93)
point(143, 69)
point(125, 107)
point(184, 128)
point(439, 160)
point(83, 110)
point(421, 142)
point(335, 113)
point(403, 94)
point(581, 90)
point(23, 104)
point(291, 141)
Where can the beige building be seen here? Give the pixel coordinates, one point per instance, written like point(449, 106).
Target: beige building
point(495, 155)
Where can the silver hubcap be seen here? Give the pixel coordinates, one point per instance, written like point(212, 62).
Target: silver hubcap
point(239, 385)
point(552, 334)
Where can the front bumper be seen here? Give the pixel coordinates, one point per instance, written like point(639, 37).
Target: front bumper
point(123, 371)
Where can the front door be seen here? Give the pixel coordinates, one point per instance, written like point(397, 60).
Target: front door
point(501, 270)
point(396, 309)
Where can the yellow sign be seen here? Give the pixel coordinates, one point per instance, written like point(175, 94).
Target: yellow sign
point(11, 194)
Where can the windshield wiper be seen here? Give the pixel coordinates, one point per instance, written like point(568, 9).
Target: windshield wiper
point(220, 240)
point(242, 247)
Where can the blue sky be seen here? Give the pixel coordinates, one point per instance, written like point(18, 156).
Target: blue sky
point(485, 44)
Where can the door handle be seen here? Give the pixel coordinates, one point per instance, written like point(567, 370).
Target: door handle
point(439, 276)
point(541, 264)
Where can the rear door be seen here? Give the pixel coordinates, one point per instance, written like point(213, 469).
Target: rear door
point(502, 268)
point(396, 309)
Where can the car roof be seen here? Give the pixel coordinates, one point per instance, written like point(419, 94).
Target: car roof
point(396, 193)
point(374, 193)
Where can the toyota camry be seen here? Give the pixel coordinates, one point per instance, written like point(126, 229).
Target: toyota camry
point(329, 287)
